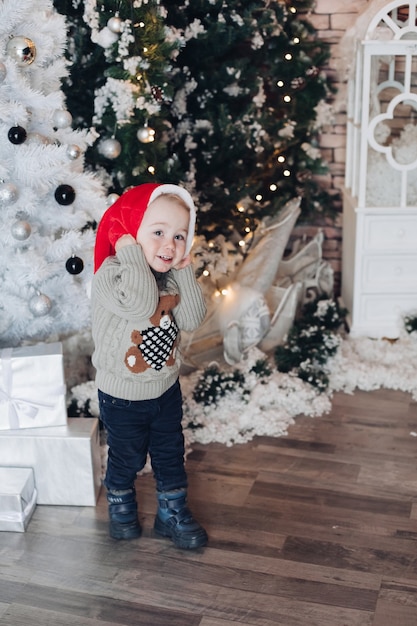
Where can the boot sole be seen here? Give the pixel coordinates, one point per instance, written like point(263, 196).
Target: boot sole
point(185, 543)
point(118, 532)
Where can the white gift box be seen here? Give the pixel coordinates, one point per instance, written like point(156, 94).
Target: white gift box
point(66, 460)
point(17, 498)
point(32, 388)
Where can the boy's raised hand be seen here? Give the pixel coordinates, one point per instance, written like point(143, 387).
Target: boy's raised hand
point(124, 240)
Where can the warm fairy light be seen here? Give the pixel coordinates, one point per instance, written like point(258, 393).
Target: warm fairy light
point(280, 83)
point(273, 187)
point(145, 50)
point(247, 229)
point(296, 40)
point(151, 169)
point(258, 197)
point(281, 159)
point(293, 10)
point(287, 98)
point(286, 173)
point(241, 209)
point(206, 273)
point(242, 243)
point(211, 244)
point(224, 292)
point(288, 56)
point(142, 24)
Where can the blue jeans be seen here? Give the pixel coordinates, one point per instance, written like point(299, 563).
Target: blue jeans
point(135, 428)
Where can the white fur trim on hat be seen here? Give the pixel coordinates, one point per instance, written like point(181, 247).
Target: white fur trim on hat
point(186, 197)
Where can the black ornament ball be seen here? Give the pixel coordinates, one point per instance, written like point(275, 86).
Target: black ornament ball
point(17, 135)
point(74, 265)
point(65, 194)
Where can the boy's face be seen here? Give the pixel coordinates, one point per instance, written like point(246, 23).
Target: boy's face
point(163, 233)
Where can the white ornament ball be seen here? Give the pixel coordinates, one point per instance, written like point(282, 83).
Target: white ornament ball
point(21, 230)
point(73, 151)
point(40, 305)
point(110, 148)
point(115, 24)
point(8, 193)
point(3, 72)
point(62, 118)
point(111, 198)
point(21, 50)
point(146, 134)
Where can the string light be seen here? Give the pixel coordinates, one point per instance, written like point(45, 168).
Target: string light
point(206, 273)
point(242, 243)
point(287, 98)
point(280, 83)
point(293, 10)
point(288, 56)
point(151, 169)
point(296, 40)
point(258, 197)
point(241, 209)
point(273, 187)
point(281, 159)
point(286, 173)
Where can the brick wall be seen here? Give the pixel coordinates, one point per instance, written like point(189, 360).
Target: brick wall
point(332, 18)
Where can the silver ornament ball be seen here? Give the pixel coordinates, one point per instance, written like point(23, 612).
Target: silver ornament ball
point(21, 50)
point(40, 305)
point(73, 151)
point(115, 24)
point(3, 72)
point(62, 118)
point(21, 230)
point(110, 148)
point(8, 193)
point(146, 134)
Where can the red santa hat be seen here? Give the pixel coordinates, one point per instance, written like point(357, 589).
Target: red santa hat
point(125, 215)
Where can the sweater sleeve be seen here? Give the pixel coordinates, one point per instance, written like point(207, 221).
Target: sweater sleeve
point(191, 309)
point(125, 285)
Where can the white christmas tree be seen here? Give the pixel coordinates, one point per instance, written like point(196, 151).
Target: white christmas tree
point(49, 203)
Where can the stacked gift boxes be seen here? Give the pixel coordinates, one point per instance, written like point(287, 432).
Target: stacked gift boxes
point(35, 434)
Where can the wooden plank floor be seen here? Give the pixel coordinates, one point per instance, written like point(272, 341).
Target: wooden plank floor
point(315, 529)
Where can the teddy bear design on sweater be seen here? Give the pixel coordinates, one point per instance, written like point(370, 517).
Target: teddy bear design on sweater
point(155, 346)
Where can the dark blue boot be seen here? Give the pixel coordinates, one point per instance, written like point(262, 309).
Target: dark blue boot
point(174, 520)
point(123, 514)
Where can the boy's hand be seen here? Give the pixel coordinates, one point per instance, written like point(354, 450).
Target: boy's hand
point(125, 240)
point(183, 263)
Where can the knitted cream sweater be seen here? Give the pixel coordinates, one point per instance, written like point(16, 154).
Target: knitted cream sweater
point(136, 327)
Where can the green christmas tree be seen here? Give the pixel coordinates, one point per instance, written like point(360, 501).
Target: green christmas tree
point(232, 95)
point(119, 84)
point(250, 93)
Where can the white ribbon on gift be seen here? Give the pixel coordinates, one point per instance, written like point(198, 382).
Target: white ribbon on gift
point(23, 406)
point(19, 516)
